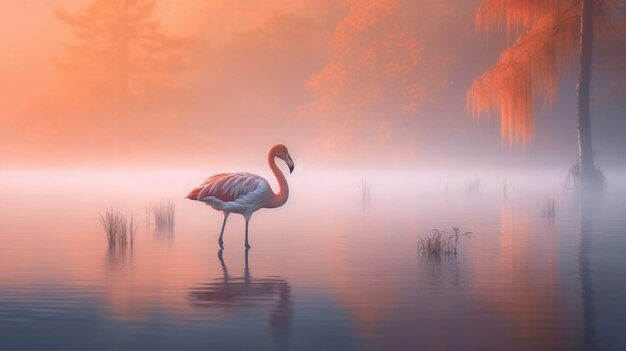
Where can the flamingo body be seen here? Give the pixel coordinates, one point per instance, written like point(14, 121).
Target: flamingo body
point(244, 193)
point(241, 193)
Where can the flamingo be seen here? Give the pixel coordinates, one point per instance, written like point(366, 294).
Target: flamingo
point(245, 193)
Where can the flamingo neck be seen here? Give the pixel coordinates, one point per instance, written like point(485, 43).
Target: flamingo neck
point(278, 199)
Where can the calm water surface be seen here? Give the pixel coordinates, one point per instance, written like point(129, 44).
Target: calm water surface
point(330, 270)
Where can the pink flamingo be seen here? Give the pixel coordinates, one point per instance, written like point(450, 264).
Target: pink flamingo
point(245, 193)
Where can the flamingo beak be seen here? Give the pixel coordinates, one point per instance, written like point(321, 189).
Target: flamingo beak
point(290, 163)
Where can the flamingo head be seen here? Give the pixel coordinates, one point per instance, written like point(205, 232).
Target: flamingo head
point(281, 152)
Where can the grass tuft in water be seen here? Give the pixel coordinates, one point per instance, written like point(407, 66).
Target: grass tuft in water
point(118, 229)
point(441, 243)
point(163, 214)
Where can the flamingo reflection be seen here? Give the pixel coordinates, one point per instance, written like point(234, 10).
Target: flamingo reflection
point(243, 292)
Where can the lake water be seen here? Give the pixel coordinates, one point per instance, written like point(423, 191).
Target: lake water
point(333, 269)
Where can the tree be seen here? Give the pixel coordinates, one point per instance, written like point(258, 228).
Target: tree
point(120, 52)
point(384, 62)
point(550, 32)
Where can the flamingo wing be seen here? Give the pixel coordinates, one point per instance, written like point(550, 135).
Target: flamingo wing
point(226, 186)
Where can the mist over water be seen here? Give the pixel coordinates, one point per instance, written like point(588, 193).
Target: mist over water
point(403, 121)
point(332, 269)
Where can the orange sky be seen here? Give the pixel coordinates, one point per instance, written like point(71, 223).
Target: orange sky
point(348, 83)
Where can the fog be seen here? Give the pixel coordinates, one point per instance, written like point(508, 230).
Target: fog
point(343, 84)
point(114, 110)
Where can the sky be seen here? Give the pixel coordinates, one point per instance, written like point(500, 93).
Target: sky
point(344, 84)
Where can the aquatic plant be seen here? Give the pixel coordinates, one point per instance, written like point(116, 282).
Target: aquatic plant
point(473, 186)
point(549, 209)
point(163, 214)
point(365, 191)
point(504, 187)
point(118, 229)
point(441, 242)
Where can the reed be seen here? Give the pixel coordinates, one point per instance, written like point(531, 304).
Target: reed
point(441, 243)
point(365, 192)
point(473, 186)
point(118, 228)
point(164, 215)
point(549, 209)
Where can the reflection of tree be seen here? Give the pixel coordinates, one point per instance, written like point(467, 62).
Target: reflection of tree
point(120, 53)
point(519, 283)
point(586, 219)
point(244, 292)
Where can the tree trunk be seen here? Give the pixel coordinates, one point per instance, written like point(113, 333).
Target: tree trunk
point(588, 173)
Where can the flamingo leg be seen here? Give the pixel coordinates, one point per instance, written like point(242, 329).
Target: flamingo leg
point(220, 241)
point(247, 220)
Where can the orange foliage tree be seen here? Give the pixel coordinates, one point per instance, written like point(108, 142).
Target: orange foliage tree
point(549, 33)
